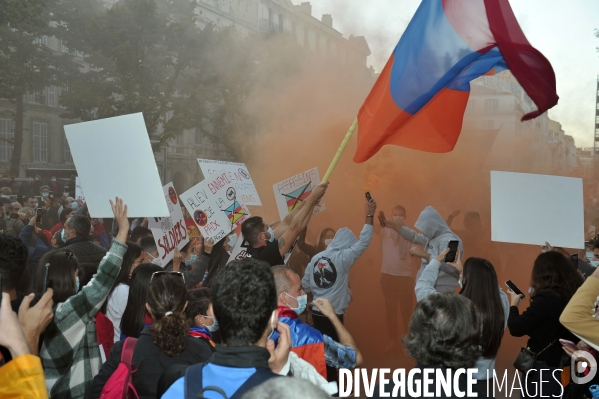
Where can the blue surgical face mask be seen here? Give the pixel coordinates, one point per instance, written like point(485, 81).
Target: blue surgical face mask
point(460, 283)
point(62, 235)
point(302, 302)
point(74, 205)
point(590, 255)
point(272, 234)
point(214, 326)
point(53, 180)
point(595, 263)
point(76, 284)
point(45, 194)
point(191, 261)
point(232, 240)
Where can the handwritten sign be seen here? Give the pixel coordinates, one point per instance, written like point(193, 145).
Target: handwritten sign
point(215, 206)
point(79, 196)
point(238, 172)
point(169, 232)
point(291, 192)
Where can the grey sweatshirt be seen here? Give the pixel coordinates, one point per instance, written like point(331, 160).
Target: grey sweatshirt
point(434, 238)
point(425, 286)
point(327, 274)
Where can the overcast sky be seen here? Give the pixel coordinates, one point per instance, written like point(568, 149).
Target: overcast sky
point(561, 30)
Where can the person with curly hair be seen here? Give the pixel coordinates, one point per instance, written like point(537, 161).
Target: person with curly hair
point(443, 336)
point(164, 344)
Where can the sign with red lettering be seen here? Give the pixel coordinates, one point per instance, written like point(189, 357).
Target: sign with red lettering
point(291, 192)
point(170, 232)
point(238, 172)
point(215, 205)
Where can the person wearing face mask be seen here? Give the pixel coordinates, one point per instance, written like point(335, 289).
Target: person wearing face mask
point(150, 251)
point(202, 324)
point(327, 274)
point(397, 279)
point(320, 350)
point(435, 238)
point(190, 264)
point(70, 353)
point(243, 300)
point(271, 245)
point(14, 224)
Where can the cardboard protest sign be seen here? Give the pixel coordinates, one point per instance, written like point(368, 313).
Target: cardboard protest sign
point(238, 172)
point(131, 174)
point(79, 196)
point(214, 206)
point(289, 193)
point(170, 232)
point(534, 209)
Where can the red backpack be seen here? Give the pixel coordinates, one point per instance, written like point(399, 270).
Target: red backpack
point(120, 383)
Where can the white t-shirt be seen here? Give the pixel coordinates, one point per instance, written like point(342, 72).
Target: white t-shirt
point(396, 254)
point(117, 302)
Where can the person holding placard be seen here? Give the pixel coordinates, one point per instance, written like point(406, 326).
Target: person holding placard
point(70, 353)
point(271, 245)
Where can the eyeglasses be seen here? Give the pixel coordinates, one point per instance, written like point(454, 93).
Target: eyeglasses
point(162, 273)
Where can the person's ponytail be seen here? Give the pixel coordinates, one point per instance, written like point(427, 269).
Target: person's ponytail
point(169, 334)
point(167, 299)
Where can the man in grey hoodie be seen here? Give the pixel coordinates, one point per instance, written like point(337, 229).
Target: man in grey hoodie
point(435, 238)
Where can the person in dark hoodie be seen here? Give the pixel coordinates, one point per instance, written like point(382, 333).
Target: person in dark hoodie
point(78, 240)
point(435, 238)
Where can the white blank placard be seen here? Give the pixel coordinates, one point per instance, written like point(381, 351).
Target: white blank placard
point(114, 157)
point(534, 209)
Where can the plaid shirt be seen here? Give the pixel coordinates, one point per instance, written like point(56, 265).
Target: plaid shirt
point(338, 355)
point(70, 353)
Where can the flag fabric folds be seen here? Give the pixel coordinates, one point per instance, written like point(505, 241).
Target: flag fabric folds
point(420, 97)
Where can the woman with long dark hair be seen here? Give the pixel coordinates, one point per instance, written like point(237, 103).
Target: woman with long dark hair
point(135, 315)
point(553, 283)
point(165, 344)
point(115, 306)
point(70, 353)
point(324, 239)
point(479, 283)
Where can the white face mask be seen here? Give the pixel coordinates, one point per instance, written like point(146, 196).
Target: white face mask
point(272, 234)
point(531, 290)
point(328, 241)
point(232, 240)
point(398, 218)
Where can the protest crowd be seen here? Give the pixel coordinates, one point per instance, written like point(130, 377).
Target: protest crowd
point(199, 298)
point(91, 312)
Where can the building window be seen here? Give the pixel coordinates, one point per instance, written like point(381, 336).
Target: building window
point(43, 40)
point(7, 134)
point(198, 137)
point(492, 105)
point(40, 142)
point(179, 139)
point(35, 97)
point(68, 158)
point(51, 96)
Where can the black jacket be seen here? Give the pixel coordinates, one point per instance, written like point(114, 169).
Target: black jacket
point(541, 323)
point(148, 364)
point(86, 252)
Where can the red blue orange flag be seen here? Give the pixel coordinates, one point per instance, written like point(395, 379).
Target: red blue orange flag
point(420, 97)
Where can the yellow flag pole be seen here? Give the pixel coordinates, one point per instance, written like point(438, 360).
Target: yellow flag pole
point(348, 136)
